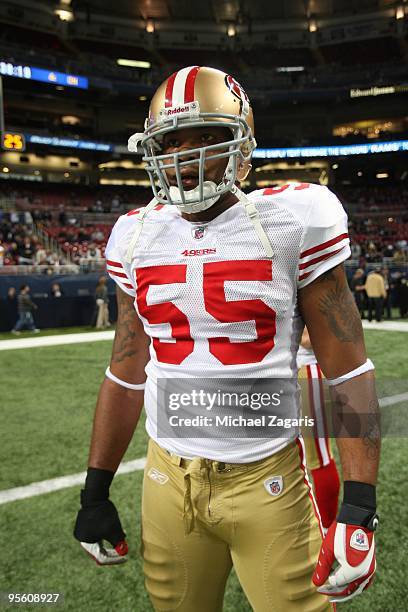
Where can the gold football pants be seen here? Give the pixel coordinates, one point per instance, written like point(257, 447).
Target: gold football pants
point(200, 517)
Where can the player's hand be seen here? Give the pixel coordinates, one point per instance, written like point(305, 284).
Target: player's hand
point(346, 563)
point(98, 520)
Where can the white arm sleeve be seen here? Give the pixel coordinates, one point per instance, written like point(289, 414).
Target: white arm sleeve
point(325, 239)
point(116, 266)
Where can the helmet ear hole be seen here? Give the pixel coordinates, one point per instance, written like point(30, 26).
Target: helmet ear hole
point(244, 168)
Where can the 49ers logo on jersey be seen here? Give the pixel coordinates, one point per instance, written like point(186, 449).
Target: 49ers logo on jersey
point(238, 91)
point(191, 252)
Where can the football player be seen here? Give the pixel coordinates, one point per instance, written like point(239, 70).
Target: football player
point(319, 460)
point(213, 284)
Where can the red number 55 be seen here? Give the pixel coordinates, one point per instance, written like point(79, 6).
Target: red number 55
point(215, 274)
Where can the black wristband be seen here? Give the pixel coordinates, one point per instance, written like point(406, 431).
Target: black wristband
point(355, 515)
point(97, 483)
point(359, 494)
point(359, 505)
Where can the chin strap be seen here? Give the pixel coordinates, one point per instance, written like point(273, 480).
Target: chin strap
point(138, 229)
point(209, 189)
point(253, 216)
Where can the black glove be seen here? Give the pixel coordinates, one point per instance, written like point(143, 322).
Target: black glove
point(98, 520)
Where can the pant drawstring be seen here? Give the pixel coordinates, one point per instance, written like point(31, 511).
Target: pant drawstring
point(188, 514)
point(189, 511)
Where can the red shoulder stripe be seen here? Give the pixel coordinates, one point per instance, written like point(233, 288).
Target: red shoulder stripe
point(120, 274)
point(316, 260)
point(323, 245)
point(274, 190)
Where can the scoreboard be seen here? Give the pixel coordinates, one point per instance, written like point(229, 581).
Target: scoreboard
point(33, 73)
point(13, 141)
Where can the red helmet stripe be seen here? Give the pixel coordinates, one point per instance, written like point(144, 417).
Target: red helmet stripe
point(169, 90)
point(189, 86)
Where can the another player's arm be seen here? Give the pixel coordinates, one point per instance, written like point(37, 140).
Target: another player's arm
point(333, 321)
point(118, 409)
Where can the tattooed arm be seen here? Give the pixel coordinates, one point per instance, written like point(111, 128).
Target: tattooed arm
point(331, 316)
point(118, 409)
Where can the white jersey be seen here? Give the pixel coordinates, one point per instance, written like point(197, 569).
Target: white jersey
point(216, 306)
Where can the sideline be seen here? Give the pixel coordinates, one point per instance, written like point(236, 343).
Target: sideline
point(399, 326)
point(20, 343)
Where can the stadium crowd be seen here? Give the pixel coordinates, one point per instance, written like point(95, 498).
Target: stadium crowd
point(39, 197)
point(57, 224)
point(19, 245)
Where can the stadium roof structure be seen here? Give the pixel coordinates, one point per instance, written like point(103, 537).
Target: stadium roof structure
point(233, 25)
point(232, 10)
point(233, 17)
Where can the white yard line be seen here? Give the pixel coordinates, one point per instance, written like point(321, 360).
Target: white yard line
point(56, 484)
point(20, 343)
point(393, 399)
point(399, 326)
point(33, 342)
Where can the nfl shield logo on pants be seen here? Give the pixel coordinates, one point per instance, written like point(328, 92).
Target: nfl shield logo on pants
point(198, 232)
point(274, 485)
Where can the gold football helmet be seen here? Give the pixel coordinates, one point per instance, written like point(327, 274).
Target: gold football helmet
point(189, 98)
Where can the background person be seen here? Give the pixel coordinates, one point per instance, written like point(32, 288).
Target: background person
point(401, 291)
point(11, 294)
point(11, 307)
point(25, 307)
point(376, 293)
point(357, 287)
point(56, 290)
point(102, 304)
point(387, 284)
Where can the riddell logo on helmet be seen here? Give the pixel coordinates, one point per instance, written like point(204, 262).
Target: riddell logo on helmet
point(177, 110)
point(189, 108)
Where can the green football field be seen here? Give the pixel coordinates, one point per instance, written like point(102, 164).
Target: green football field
point(47, 403)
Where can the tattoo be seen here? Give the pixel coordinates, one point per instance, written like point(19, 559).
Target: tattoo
point(340, 310)
point(372, 435)
point(124, 345)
